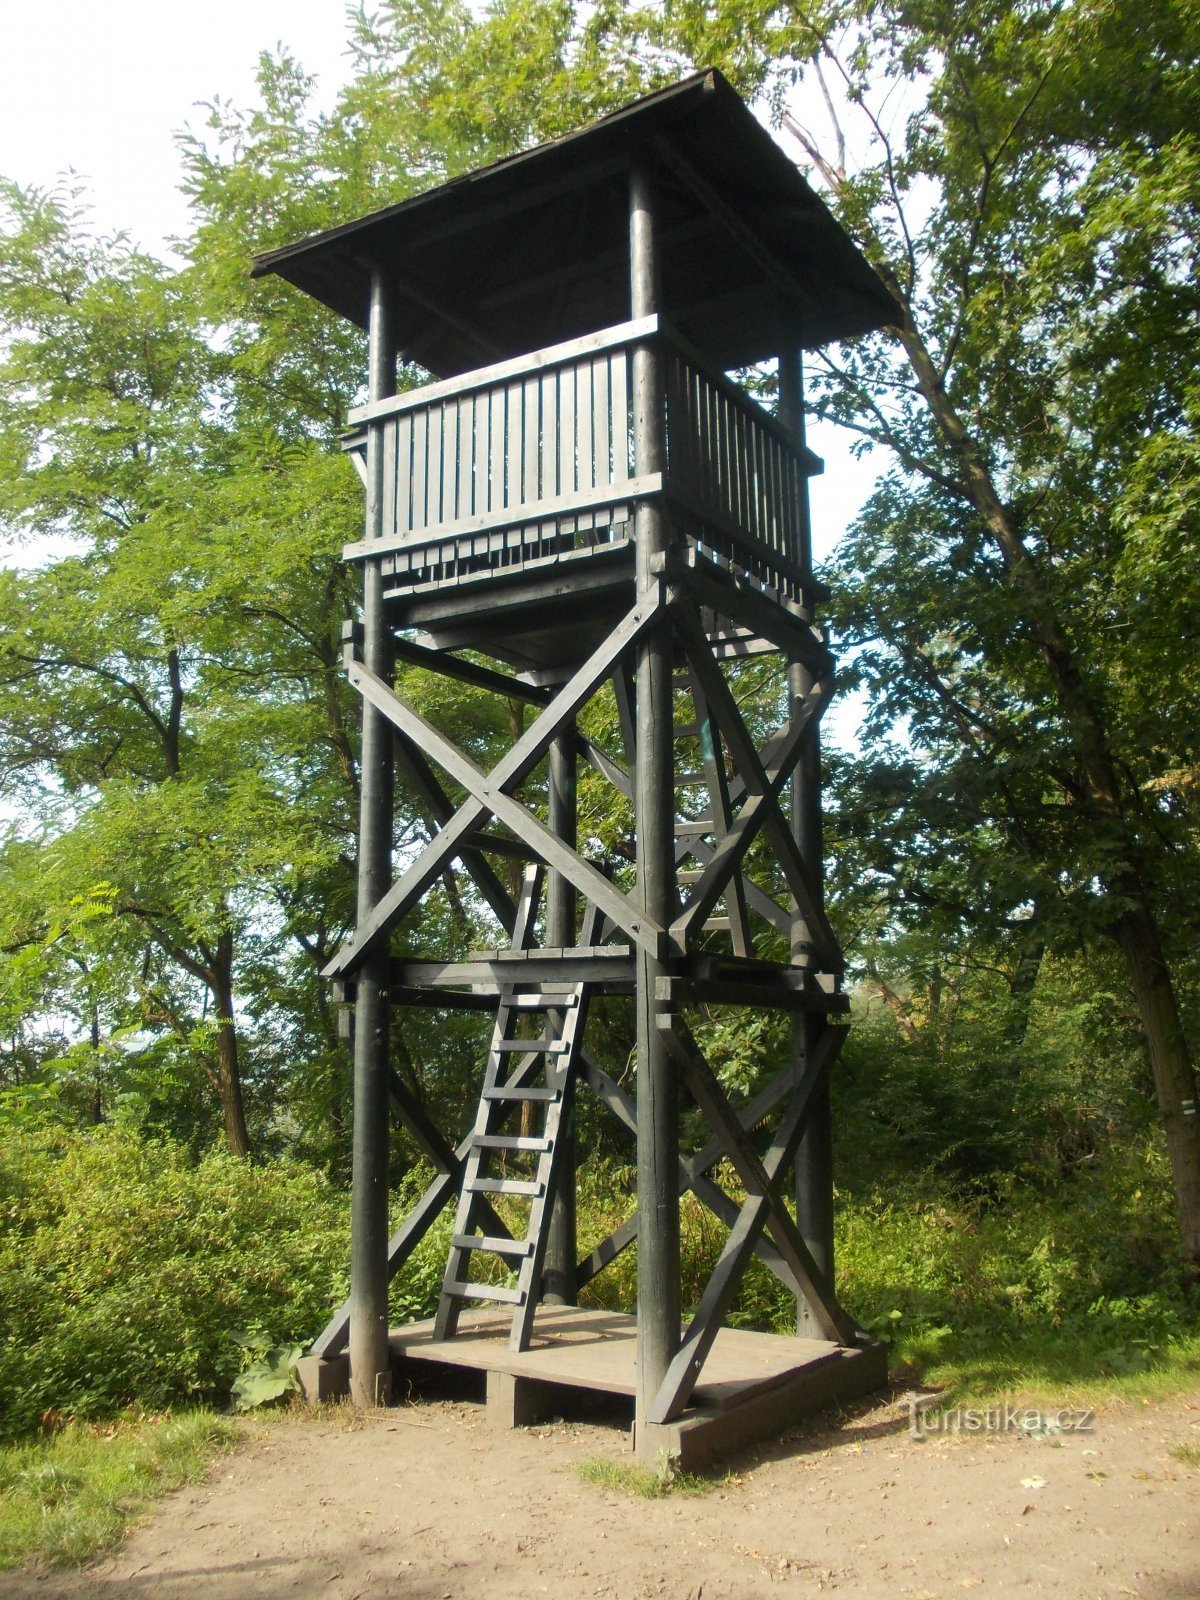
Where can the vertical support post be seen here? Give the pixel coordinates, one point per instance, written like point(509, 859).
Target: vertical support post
point(558, 1270)
point(814, 1158)
point(369, 1372)
point(654, 811)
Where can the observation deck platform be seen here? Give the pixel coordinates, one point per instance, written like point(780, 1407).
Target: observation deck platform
point(508, 499)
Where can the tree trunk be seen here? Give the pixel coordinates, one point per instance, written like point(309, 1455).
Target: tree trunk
point(1137, 930)
point(1174, 1075)
point(229, 1081)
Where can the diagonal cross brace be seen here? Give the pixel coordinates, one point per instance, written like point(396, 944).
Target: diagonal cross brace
point(763, 1208)
point(692, 1171)
point(760, 811)
point(509, 771)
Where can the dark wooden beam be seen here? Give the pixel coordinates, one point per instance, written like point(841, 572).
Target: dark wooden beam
point(510, 771)
point(451, 666)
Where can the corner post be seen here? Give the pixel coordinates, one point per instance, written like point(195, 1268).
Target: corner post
point(654, 810)
point(369, 1371)
point(814, 1158)
point(558, 1271)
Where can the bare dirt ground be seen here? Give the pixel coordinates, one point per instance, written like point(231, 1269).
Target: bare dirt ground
point(429, 1502)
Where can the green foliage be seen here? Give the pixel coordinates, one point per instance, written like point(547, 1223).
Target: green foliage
point(70, 1495)
point(645, 1483)
point(268, 1372)
point(125, 1268)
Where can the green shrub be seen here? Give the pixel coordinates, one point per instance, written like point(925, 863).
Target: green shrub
point(126, 1269)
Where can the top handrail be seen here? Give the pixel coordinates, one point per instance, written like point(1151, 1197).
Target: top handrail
point(555, 355)
point(757, 413)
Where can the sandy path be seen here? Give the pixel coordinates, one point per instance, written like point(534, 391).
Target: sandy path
point(428, 1503)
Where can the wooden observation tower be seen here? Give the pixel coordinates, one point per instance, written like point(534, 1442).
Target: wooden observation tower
point(581, 504)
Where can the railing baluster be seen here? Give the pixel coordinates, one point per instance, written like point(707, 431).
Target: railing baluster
point(420, 513)
point(531, 429)
point(584, 452)
point(566, 430)
point(550, 473)
point(497, 448)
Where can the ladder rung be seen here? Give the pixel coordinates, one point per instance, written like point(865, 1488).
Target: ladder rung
point(688, 780)
point(690, 875)
point(717, 925)
point(509, 1141)
point(530, 1047)
point(687, 830)
point(542, 1002)
point(686, 730)
point(534, 1092)
point(502, 1186)
point(498, 1246)
point(483, 1291)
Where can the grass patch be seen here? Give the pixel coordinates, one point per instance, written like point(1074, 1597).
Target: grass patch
point(1189, 1454)
point(646, 1483)
point(974, 1365)
point(65, 1498)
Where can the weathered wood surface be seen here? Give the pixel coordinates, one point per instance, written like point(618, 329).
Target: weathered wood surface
point(534, 456)
point(587, 1349)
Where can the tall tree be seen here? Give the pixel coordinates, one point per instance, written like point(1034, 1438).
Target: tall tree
point(1025, 180)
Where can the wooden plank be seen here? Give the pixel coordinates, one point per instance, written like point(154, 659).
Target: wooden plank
point(471, 468)
point(761, 418)
point(531, 443)
point(512, 768)
point(452, 666)
point(610, 970)
point(763, 1207)
point(492, 799)
point(568, 412)
point(621, 334)
point(497, 499)
point(387, 517)
point(449, 461)
point(585, 422)
point(642, 488)
point(435, 434)
point(618, 379)
point(551, 478)
point(601, 424)
point(419, 517)
point(760, 811)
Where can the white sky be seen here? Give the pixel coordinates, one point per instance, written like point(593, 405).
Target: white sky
point(101, 86)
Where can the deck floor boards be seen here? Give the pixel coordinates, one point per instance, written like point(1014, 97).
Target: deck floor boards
point(586, 1349)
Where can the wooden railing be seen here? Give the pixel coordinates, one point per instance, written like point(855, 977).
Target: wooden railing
point(736, 480)
point(532, 460)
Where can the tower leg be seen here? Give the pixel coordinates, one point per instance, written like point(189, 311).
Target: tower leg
point(654, 807)
point(369, 1372)
point(558, 1272)
point(814, 1158)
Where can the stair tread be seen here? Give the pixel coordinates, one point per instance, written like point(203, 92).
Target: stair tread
point(532, 1186)
point(502, 1091)
point(498, 1246)
point(540, 1047)
point(510, 1141)
point(483, 1291)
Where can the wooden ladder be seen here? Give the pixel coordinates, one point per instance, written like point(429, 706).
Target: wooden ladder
point(543, 1075)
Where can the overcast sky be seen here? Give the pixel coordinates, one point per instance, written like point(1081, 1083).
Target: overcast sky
point(101, 86)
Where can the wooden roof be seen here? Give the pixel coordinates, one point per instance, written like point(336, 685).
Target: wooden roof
point(534, 249)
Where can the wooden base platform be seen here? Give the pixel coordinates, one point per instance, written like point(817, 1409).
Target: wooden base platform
point(752, 1386)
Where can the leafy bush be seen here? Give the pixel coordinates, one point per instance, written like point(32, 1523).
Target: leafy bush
point(126, 1268)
